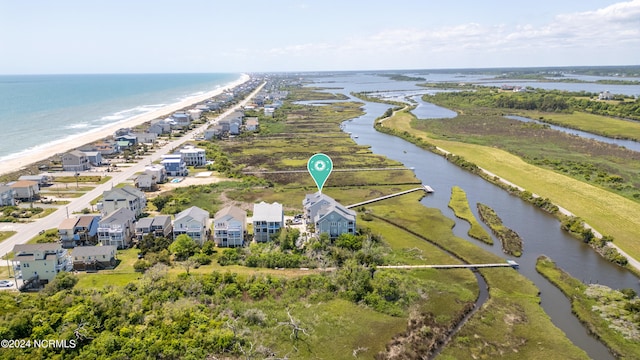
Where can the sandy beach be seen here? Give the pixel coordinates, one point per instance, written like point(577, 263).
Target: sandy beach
point(11, 165)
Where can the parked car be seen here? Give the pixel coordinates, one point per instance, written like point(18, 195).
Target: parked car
point(6, 283)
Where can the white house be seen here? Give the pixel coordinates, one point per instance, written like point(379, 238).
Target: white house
point(193, 156)
point(25, 190)
point(194, 222)
point(229, 227)
point(267, 220)
point(116, 229)
point(158, 172)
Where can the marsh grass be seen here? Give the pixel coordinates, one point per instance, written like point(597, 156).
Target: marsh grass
point(584, 306)
point(460, 206)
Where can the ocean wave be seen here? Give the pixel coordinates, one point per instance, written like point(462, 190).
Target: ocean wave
point(82, 125)
point(128, 113)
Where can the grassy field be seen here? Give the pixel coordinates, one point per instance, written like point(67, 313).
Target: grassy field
point(608, 213)
point(4, 235)
point(597, 124)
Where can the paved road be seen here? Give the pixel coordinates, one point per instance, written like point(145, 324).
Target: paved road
point(27, 231)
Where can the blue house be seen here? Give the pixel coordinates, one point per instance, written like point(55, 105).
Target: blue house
point(175, 165)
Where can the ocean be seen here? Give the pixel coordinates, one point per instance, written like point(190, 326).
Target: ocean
point(41, 110)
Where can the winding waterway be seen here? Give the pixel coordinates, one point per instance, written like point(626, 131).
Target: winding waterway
point(540, 231)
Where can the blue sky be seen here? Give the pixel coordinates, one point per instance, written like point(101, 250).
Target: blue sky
point(120, 36)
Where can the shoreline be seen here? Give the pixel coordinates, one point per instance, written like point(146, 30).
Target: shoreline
point(15, 164)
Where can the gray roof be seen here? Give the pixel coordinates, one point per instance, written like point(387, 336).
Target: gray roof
point(339, 209)
point(30, 248)
point(161, 220)
point(267, 212)
point(118, 217)
point(193, 212)
point(144, 223)
point(231, 211)
point(93, 250)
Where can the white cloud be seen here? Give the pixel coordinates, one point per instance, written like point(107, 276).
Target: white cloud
point(588, 34)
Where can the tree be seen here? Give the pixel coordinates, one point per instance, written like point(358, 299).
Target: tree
point(188, 264)
point(64, 280)
point(349, 241)
point(183, 247)
point(150, 243)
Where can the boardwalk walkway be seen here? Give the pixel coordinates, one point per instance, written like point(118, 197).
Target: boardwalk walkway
point(334, 170)
point(511, 264)
point(425, 188)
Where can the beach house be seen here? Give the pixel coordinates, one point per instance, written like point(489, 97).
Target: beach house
point(40, 263)
point(267, 220)
point(229, 227)
point(86, 230)
point(175, 165)
point(181, 119)
point(41, 179)
point(116, 229)
point(94, 258)
point(106, 148)
point(66, 232)
point(75, 161)
point(158, 173)
point(25, 190)
point(144, 182)
point(145, 137)
point(159, 226)
point(160, 126)
point(328, 215)
point(95, 157)
point(193, 156)
point(251, 124)
point(126, 197)
point(194, 222)
point(126, 140)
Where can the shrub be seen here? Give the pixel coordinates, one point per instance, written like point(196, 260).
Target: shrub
point(141, 265)
point(201, 259)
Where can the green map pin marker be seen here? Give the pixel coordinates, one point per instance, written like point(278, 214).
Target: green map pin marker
point(320, 166)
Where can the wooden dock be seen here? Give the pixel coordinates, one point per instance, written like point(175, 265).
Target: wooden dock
point(509, 263)
point(424, 188)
